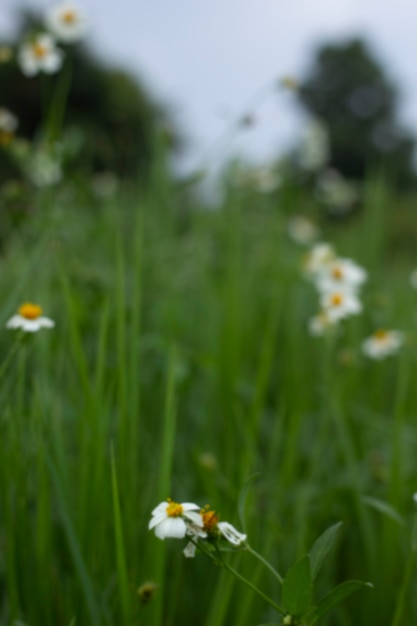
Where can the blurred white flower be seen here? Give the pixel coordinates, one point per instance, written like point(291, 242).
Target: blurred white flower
point(43, 167)
point(8, 125)
point(171, 519)
point(413, 279)
point(340, 303)
point(66, 22)
point(40, 55)
point(29, 318)
point(383, 343)
point(317, 258)
point(302, 230)
point(104, 184)
point(340, 273)
point(337, 193)
point(320, 323)
point(313, 152)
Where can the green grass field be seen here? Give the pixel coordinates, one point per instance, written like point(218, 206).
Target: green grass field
point(181, 364)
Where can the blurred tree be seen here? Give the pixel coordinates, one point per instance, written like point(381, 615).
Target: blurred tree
point(115, 115)
point(349, 90)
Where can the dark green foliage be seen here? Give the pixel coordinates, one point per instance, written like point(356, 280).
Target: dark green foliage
point(349, 89)
point(117, 116)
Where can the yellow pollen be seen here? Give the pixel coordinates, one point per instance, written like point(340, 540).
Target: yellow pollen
point(39, 50)
point(381, 335)
point(69, 17)
point(337, 273)
point(30, 311)
point(336, 299)
point(174, 509)
point(210, 519)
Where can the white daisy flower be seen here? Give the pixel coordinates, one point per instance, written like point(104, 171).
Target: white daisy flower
point(318, 257)
point(66, 22)
point(29, 318)
point(320, 323)
point(340, 273)
point(212, 529)
point(383, 343)
point(40, 55)
point(171, 519)
point(302, 230)
point(340, 303)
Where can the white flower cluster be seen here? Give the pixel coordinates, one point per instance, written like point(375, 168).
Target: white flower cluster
point(173, 520)
point(338, 281)
point(64, 23)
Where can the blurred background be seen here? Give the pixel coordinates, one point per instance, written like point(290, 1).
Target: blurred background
point(202, 61)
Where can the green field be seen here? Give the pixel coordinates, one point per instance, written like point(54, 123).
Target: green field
point(180, 365)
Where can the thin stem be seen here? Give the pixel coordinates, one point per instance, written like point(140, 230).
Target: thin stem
point(10, 354)
point(399, 609)
point(265, 562)
point(255, 589)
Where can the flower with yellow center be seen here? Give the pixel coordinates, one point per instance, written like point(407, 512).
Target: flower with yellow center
point(171, 519)
point(29, 318)
point(66, 22)
point(382, 343)
point(340, 303)
point(340, 273)
point(212, 530)
point(40, 55)
point(320, 323)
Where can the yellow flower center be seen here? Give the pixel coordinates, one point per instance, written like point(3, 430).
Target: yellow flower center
point(174, 509)
point(30, 311)
point(381, 335)
point(336, 299)
point(39, 50)
point(69, 17)
point(337, 273)
point(210, 519)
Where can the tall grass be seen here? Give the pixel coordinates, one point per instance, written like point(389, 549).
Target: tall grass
point(181, 364)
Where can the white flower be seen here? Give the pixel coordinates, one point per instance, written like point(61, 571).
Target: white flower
point(211, 530)
point(336, 192)
point(382, 343)
point(230, 533)
point(302, 230)
point(171, 519)
point(314, 149)
point(340, 273)
point(318, 257)
point(29, 318)
point(340, 303)
point(8, 125)
point(320, 323)
point(66, 22)
point(40, 55)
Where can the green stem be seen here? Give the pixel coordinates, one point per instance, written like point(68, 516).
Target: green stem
point(255, 589)
point(399, 609)
point(10, 354)
point(265, 562)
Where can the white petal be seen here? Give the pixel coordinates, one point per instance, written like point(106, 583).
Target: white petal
point(161, 507)
point(189, 506)
point(231, 534)
point(194, 517)
point(157, 519)
point(189, 550)
point(15, 322)
point(46, 322)
point(174, 527)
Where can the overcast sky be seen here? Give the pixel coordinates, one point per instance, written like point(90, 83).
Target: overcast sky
point(205, 58)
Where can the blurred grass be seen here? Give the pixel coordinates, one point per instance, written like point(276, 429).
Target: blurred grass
point(180, 364)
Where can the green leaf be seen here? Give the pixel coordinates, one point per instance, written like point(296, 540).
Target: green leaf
point(297, 588)
point(335, 596)
point(385, 508)
point(321, 547)
point(242, 500)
